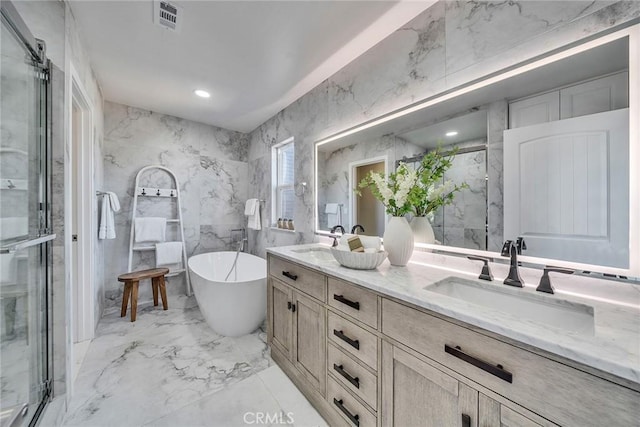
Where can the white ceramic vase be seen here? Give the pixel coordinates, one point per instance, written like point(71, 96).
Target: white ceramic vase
point(398, 241)
point(422, 230)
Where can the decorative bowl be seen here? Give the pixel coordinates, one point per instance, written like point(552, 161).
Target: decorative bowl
point(359, 260)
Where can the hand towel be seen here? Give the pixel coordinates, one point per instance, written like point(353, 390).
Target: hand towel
point(253, 218)
point(331, 208)
point(110, 205)
point(150, 229)
point(334, 214)
point(113, 200)
point(168, 253)
point(250, 206)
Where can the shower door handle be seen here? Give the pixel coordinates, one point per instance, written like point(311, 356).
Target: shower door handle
point(24, 244)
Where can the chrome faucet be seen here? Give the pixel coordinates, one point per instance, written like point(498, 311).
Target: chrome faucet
point(510, 249)
point(354, 229)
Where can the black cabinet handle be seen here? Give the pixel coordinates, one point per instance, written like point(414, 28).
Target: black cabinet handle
point(353, 380)
point(289, 305)
point(352, 304)
point(496, 370)
point(353, 343)
point(289, 275)
point(293, 308)
point(466, 420)
point(355, 419)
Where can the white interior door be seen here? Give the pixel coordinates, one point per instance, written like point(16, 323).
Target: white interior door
point(566, 188)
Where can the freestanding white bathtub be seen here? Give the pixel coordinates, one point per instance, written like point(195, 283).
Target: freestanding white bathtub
point(235, 307)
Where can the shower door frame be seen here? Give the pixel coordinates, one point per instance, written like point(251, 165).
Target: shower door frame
point(45, 235)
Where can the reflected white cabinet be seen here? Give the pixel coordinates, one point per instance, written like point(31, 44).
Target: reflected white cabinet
point(566, 186)
point(591, 97)
point(595, 96)
point(537, 109)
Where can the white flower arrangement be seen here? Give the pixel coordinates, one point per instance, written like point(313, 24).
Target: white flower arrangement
point(419, 191)
point(393, 191)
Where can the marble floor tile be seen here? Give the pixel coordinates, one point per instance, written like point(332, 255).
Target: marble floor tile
point(238, 405)
point(290, 399)
point(169, 365)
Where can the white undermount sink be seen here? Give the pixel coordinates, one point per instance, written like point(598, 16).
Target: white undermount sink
point(542, 309)
point(317, 252)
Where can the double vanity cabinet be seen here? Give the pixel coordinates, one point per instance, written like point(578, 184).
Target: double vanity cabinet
point(365, 358)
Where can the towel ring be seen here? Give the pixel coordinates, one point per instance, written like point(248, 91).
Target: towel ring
point(303, 186)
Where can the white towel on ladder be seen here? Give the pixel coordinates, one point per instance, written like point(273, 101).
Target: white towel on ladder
point(110, 205)
point(150, 229)
point(252, 211)
point(168, 254)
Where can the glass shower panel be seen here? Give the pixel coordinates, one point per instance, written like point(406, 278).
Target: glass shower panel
point(24, 249)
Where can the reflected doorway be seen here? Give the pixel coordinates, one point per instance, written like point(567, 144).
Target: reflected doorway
point(366, 209)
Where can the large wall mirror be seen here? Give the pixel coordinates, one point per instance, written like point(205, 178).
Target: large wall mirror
point(549, 151)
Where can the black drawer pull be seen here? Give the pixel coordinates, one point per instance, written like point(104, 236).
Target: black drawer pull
point(355, 419)
point(353, 343)
point(353, 380)
point(496, 370)
point(289, 275)
point(466, 420)
point(352, 304)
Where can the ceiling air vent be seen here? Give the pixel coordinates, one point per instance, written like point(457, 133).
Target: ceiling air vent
point(167, 15)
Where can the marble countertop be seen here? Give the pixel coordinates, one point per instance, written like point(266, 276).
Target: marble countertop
point(614, 346)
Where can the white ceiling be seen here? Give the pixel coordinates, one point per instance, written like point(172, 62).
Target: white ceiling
point(469, 127)
point(254, 57)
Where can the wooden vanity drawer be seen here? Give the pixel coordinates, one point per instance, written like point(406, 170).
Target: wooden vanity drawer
point(354, 412)
point(353, 376)
point(353, 339)
point(353, 300)
point(562, 394)
point(301, 278)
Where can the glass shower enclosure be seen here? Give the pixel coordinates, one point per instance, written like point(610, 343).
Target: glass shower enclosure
point(25, 224)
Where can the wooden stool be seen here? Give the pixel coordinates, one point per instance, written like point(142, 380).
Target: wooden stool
point(131, 281)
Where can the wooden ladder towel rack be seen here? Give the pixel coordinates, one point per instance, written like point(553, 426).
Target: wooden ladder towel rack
point(159, 193)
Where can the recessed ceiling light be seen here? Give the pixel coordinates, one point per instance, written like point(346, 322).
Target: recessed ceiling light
point(452, 133)
point(202, 93)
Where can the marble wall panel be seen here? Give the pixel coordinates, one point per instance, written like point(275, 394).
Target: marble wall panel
point(212, 169)
point(477, 28)
point(407, 66)
point(541, 27)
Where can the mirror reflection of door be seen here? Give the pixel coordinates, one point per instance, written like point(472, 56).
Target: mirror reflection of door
point(369, 212)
